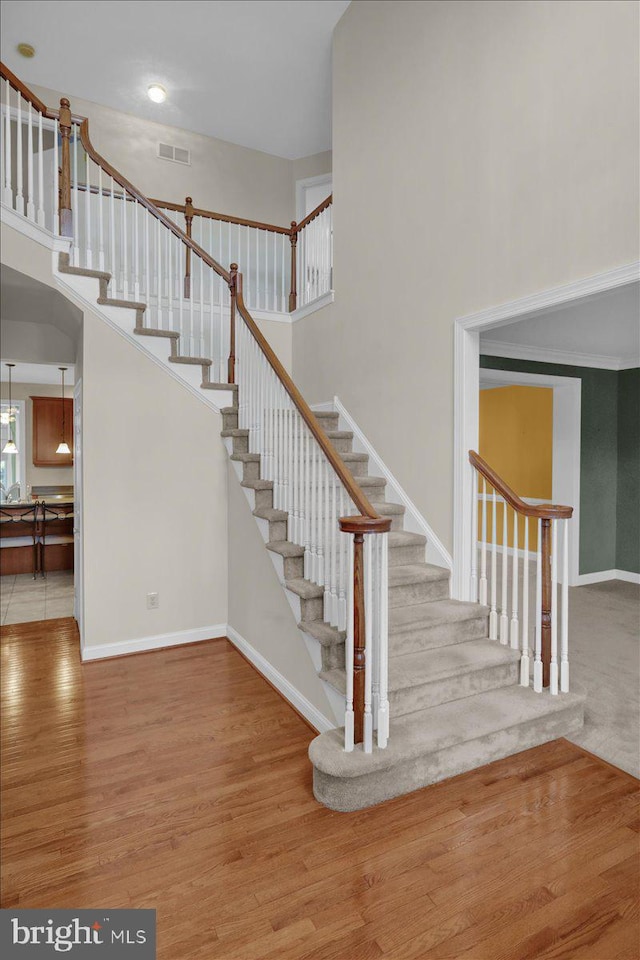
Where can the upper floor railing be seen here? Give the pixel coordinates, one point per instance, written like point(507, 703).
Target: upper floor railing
point(53, 176)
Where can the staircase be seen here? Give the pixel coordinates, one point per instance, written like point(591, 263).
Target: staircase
point(403, 664)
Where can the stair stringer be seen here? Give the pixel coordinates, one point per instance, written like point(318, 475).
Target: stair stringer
point(313, 646)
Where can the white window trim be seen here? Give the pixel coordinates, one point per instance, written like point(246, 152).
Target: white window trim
point(21, 436)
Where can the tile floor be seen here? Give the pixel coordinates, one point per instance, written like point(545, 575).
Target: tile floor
point(23, 599)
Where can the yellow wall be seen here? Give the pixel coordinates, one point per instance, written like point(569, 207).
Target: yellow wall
point(516, 439)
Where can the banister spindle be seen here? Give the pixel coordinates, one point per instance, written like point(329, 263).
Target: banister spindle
point(188, 219)
point(233, 288)
point(293, 294)
point(545, 601)
point(66, 223)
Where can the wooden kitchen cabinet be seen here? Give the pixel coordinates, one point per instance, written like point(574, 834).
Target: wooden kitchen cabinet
point(47, 431)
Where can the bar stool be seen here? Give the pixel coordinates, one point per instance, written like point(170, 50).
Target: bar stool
point(18, 531)
point(48, 514)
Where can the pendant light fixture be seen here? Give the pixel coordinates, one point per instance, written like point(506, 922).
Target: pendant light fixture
point(63, 446)
point(10, 445)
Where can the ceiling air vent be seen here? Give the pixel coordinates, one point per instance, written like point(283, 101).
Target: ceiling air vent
point(178, 154)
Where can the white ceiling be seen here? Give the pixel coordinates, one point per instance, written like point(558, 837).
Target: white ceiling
point(41, 373)
point(253, 72)
point(602, 331)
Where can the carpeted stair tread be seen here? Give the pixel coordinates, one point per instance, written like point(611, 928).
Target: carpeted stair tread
point(387, 509)
point(323, 632)
point(429, 666)
point(339, 434)
point(416, 573)
point(195, 361)
point(114, 302)
point(236, 432)
point(434, 613)
point(65, 267)
point(219, 386)
point(304, 589)
point(370, 483)
point(246, 457)
point(438, 728)
point(257, 484)
point(412, 669)
point(150, 332)
point(354, 457)
point(403, 538)
point(285, 548)
point(271, 514)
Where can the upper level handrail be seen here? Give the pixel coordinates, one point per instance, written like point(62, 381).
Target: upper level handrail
point(314, 213)
point(149, 205)
point(31, 97)
point(542, 511)
point(211, 215)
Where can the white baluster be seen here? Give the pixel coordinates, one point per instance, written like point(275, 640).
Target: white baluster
point(125, 245)
point(147, 265)
point(368, 644)
point(474, 536)
point(171, 276)
point(493, 615)
point(41, 211)
point(483, 547)
point(75, 218)
point(504, 616)
point(326, 577)
point(348, 654)
point(87, 216)
point(100, 222)
point(19, 188)
point(56, 180)
point(112, 224)
point(345, 582)
point(524, 662)
point(553, 672)
point(7, 194)
point(383, 709)
point(136, 249)
point(159, 279)
point(334, 531)
point(564, 636)
point(203, 338)
point(537, 661)
point(31, 207)
point(514, 639)
point(282, 273)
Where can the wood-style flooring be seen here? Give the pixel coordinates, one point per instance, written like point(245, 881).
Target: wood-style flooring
point(179, 780)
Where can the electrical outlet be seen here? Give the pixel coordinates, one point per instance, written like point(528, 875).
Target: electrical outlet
point(153, 601)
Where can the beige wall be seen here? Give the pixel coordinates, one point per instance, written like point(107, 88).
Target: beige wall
point(482, 151)
point(313, 166)
point(38, 476)
point(155, 511)
point(258, 608)
point(222, 177)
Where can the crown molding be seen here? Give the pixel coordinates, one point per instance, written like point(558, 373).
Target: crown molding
point(517, 351)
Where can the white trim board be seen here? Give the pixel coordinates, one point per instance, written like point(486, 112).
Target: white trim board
point(123, 647)
point(34, 231)
point(466, 331)
point(602, 576)
point(305, 182)
point(290, 693)
point(516, 351)
point(414, 521)
point(311, 307)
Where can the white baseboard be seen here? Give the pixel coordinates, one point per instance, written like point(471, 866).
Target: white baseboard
point(317, 719)
point(601, 576)
point(124, 647)
point(414, 521)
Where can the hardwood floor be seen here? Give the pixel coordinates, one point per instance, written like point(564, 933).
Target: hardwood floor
point(179, 780)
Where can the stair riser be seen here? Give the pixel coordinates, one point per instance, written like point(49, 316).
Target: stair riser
point(329, 422)
point(312, 609)
point(408, 594)
point(413, 553)
point(293, 568)
point(442, 635)
point(342, 444)
point(333, 657)
point(230, 420)
point(357, 793)
point(250, 470)
point(426, 695)
point(263, 499)
point(240, 444)
point(277, 530)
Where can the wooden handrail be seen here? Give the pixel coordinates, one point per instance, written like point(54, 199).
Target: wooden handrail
point(211, 215)
point(360, 501)
point(148, 204)
point(541, 511)
point(32, 98)
point(314, 213)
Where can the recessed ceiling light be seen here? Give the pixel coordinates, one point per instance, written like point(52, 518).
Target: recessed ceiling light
point(26, 50)
point(157, 93)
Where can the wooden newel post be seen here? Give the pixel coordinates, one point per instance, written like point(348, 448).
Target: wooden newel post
point(293, 294)
point(188, 217)
point(233, 289)
point(66, 219)
point(546, 601)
